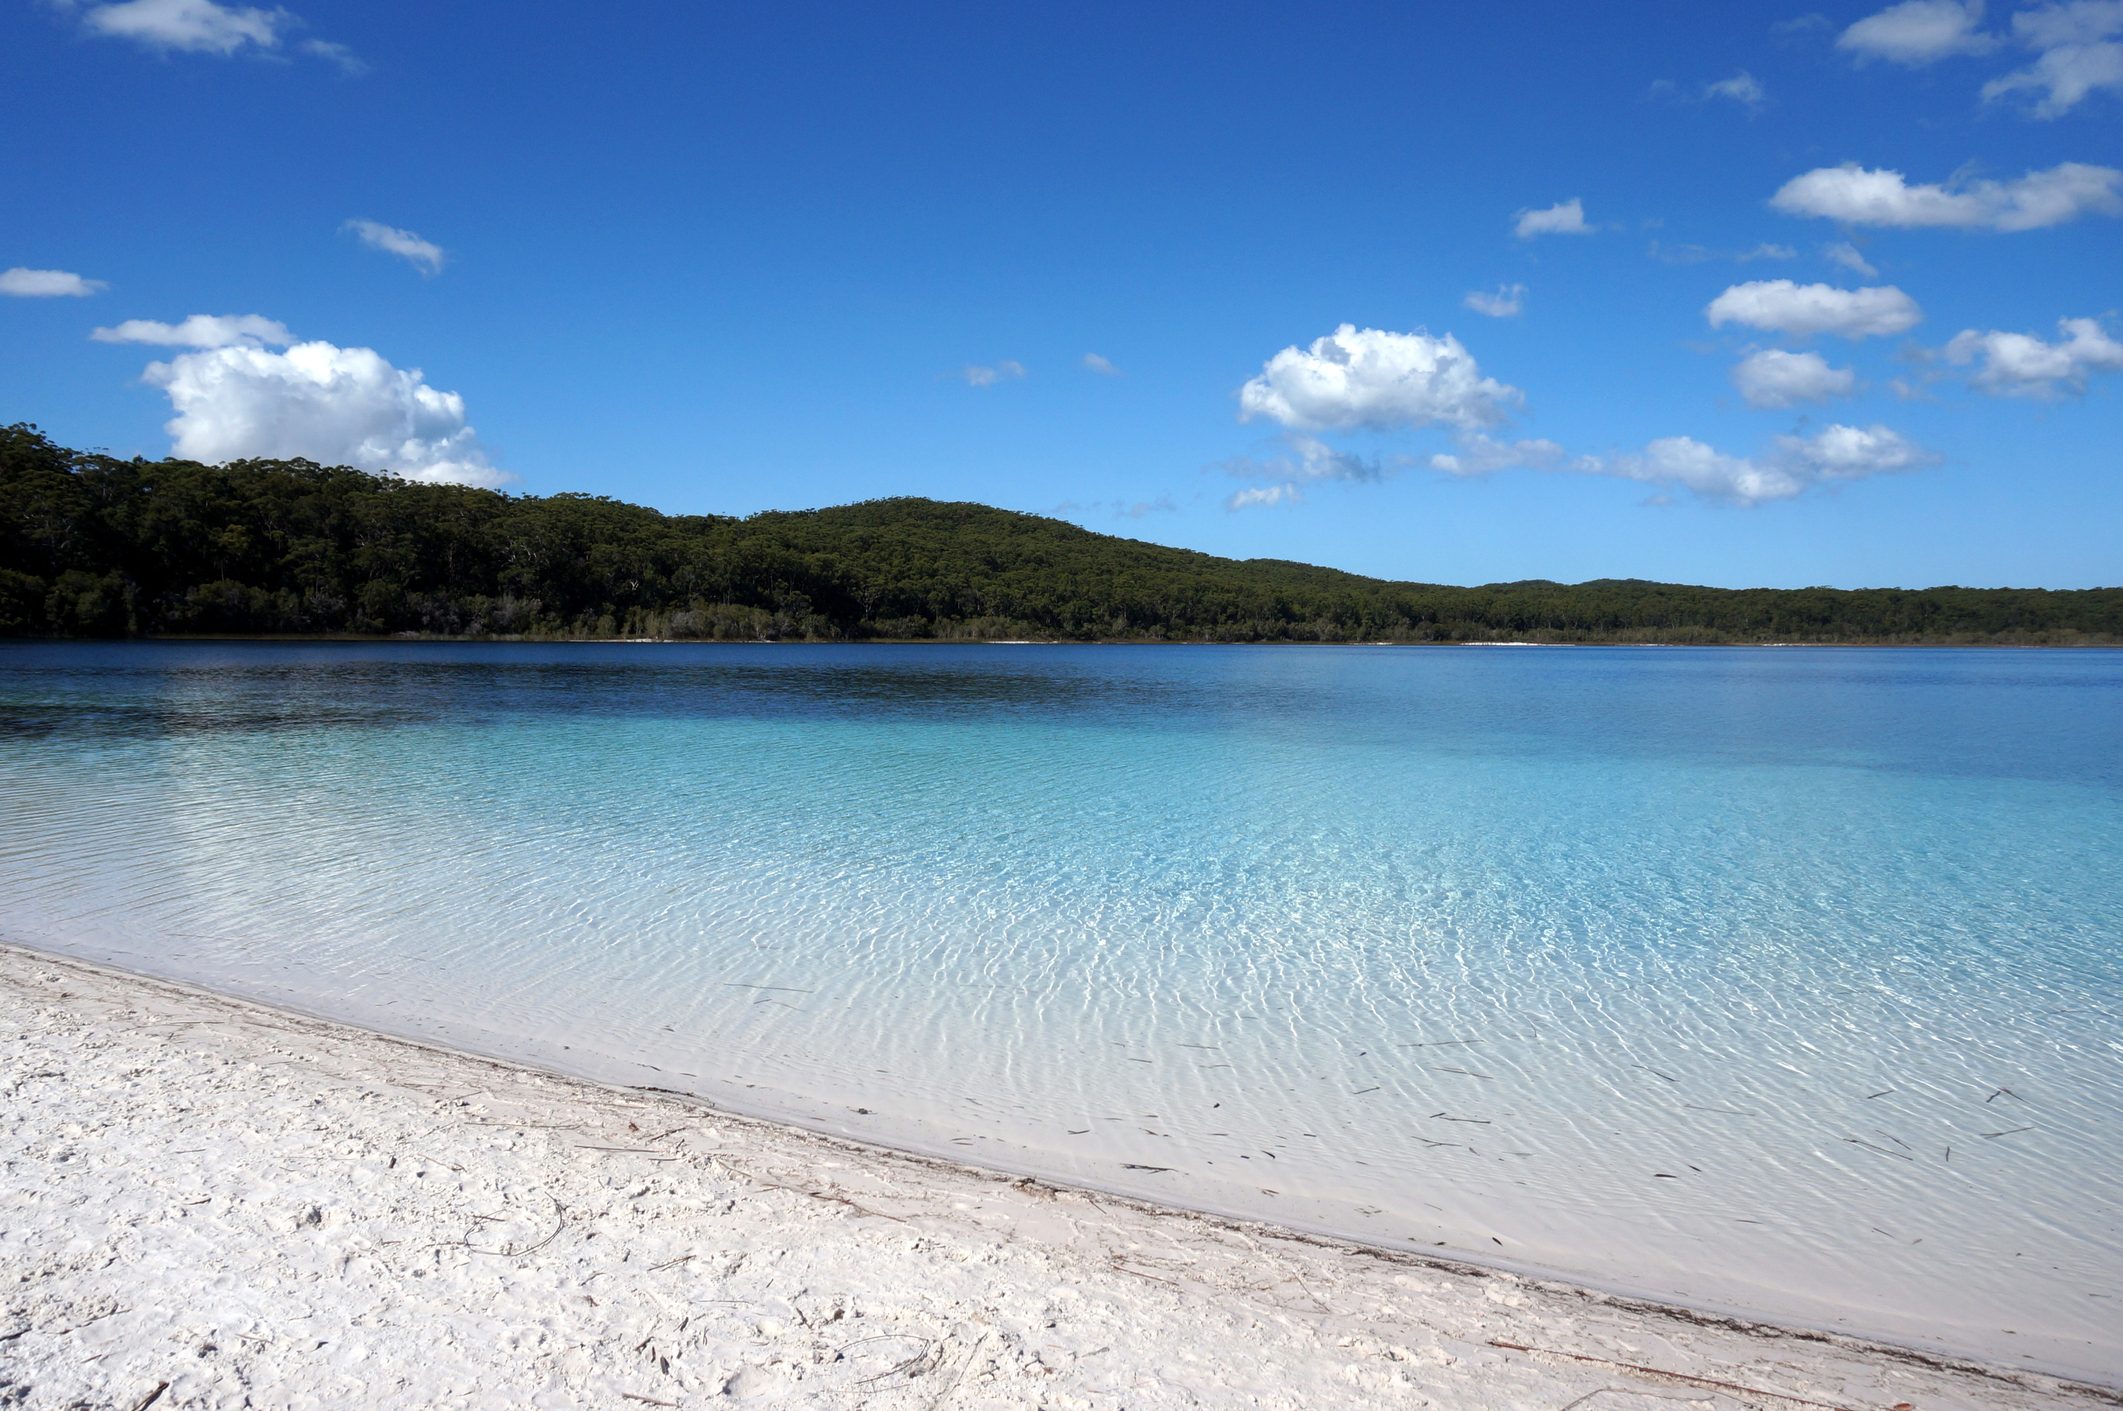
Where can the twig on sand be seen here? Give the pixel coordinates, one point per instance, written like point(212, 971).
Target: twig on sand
point(560, 1222)
point(831, 1197)
point(1660, 1374)
point(909, 1367)
point(152, 1397)
point(645, 1400)
point(963, 1368)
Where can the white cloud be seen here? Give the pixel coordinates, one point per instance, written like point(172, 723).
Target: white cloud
point(348, 61)
point(424, 255)
point(1775, 378)
point(2022, 365)
point(337, 406)
point(1508, 301)
point(201, 331)
point(1793, 465)
point(1479, 454)
point(2076, 53)
point(1102, 366)
point(1563, 218)
point(1742, 88)
point(1372, 378)
point(2072, 22)
point(1264, 495)
point(1790, 467)
point(206, 27)
point(1802, 310)
point(2066, 75)
point(197, 26)
point(1305, 458)
point(1859, 195)
point(1689, 254)
point(987, 375)
point(1842, 252)
point(1918, 32)
point(21, 283)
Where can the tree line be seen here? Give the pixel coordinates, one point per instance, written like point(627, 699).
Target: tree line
point(95, 546)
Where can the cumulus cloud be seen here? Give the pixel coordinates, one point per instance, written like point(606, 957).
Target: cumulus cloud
point(1508, 301)
point(2076, 53)
point(1264, 495)
point(988, 374)
point(1562, 218)
point(21, 283)
point(1842, 252)
point(201, 331)
point(1803, 310)
point(424, 255)
point(1918, 32)
point(1858, 195)
point(338, 406)
point(1775, 378)
point(2022, 365)
point(1792, 466)
point(1742, 88)
point(1371, 378)
point(1102, 366)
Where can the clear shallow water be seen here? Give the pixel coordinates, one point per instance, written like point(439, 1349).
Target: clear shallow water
point(1783, 981)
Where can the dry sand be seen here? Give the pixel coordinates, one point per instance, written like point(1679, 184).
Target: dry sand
point(207, 1203)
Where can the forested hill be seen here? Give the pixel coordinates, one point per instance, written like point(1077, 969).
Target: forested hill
point(93, 546)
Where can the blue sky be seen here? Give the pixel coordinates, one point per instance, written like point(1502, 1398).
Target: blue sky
point(1837, 301)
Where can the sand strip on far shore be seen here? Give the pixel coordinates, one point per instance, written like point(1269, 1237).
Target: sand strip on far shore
point(210, 1203)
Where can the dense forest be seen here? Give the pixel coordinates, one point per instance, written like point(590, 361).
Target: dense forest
point(95, 546)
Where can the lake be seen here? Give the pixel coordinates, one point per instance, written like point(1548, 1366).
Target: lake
point(1780, 981)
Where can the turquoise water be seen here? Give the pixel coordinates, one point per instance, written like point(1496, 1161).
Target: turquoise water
point(1786, 981)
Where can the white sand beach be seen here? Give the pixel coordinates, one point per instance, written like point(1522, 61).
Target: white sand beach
point(208, 1203)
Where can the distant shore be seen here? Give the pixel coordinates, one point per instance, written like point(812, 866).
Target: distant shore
point(414, 638)
point(221, 1204)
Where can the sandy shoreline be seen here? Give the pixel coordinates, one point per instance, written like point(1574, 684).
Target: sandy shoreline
point(251, 1208)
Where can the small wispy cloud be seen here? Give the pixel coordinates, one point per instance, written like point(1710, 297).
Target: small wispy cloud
point(1742, 88)
point(1263, 495)
point(989, 374)
point(1103, 366)
point(1847, 256)
point(1687, 254)
point(1562, 218)
point(1919, 32)
point(207, 27)
point(201, 331)
point(350, 63)
point(1509, 301)
point(21, 283)
point(424, 255)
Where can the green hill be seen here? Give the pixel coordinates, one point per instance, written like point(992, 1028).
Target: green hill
point(94, 546)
